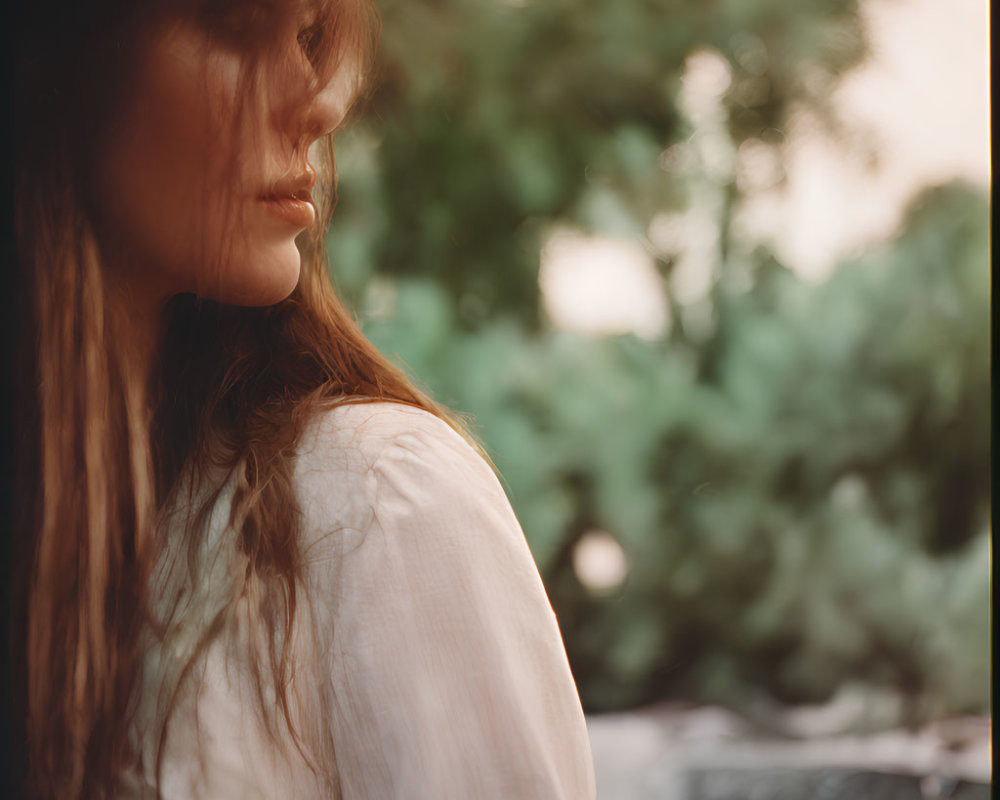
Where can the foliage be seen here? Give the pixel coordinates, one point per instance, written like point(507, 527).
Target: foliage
point(799, 486)
point(492, 119)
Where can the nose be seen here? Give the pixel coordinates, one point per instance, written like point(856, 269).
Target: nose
point(312, 106)
point(327, 107)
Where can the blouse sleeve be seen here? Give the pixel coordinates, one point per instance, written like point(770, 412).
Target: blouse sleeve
point(447, 671)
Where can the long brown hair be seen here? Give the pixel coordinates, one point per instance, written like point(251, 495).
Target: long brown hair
point(234, 387)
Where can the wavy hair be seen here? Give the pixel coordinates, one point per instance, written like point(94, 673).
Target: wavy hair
point(98, 463)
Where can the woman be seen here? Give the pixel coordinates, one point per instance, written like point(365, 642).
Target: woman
point(256, 561)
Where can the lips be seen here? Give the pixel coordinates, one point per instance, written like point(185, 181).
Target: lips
point(290, 199)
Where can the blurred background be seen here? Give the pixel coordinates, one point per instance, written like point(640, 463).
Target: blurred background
point(710, 278)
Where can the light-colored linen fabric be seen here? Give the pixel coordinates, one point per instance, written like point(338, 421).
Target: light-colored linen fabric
point(428, 662)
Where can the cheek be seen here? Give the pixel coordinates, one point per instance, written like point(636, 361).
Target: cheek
point(156, 177)
point(176, 183)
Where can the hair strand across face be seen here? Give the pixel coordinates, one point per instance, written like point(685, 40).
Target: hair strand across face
point(110, 449)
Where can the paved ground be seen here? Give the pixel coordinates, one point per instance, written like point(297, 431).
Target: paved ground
point(675, 753)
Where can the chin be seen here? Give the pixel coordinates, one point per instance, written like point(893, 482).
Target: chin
point(262, 279)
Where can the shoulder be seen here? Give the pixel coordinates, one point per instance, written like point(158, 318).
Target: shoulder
point(360, 461)
point(443, 655)
point(351, 440)
point(367, 430)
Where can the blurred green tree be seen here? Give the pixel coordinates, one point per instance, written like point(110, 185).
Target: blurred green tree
point(494, 118)
point(799, 486)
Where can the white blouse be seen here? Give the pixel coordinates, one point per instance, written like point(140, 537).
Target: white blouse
point(428, 660)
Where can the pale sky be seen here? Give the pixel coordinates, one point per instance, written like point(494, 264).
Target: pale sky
point(923, 96)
